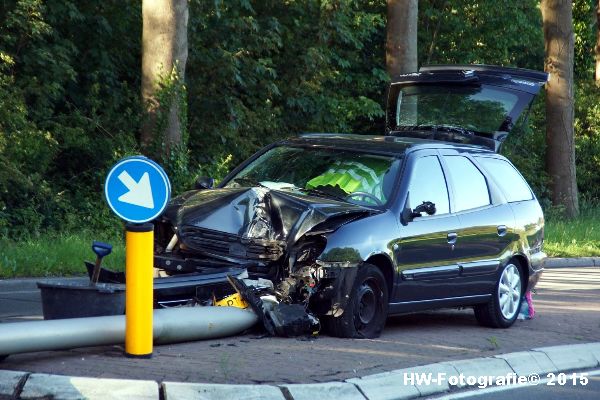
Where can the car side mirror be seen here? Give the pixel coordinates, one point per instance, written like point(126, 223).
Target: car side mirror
point(408, 214)
point(426, 207)
point(204, 182)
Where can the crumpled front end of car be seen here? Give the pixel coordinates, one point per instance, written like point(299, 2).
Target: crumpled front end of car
point(274, 234)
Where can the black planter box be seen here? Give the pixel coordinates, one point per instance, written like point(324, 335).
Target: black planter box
point(69, 299)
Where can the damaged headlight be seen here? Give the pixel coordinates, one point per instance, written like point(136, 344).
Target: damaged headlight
point(305, 252)
point(330, 270)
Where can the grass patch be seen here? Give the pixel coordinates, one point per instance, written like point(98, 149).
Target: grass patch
point(579, 237)
point(56, 255)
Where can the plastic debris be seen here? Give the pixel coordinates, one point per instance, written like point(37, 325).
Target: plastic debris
point(234, 300)
point(278, 318)
point(291, 320)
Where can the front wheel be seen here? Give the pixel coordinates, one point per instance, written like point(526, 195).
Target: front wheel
point(366, 312)
point(502, 310)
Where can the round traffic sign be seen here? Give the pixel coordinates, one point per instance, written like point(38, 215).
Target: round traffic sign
point(137, 189)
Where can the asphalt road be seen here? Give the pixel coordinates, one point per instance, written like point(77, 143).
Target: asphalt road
point(566, 303)
point(547, 390)
point(19, 300)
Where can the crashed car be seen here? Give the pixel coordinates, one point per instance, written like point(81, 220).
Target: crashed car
point(355, 227)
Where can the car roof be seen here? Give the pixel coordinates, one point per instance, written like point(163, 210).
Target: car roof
point(378, 144)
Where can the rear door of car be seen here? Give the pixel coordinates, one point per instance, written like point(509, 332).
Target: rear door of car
point(486, 223)
point(529, 221)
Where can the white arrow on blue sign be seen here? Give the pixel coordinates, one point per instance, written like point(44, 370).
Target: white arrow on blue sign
point(137, 189)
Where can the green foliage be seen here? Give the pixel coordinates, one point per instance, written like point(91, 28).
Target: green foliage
point(265, 70)
point(584, 27)
point(173, 157)
point(500, 32)
point(257, 72)
point(68, 109)
point(219, 169)
point(587, 141)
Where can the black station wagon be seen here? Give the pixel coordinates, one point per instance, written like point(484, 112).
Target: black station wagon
point(355, 227)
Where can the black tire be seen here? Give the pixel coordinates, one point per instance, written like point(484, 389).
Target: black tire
point(366, 312)
point(3, 357)
point(491, 314)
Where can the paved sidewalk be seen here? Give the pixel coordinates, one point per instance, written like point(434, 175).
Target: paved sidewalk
point(526, 367)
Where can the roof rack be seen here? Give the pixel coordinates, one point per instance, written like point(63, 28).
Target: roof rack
point(455, 136)
point(539, 76)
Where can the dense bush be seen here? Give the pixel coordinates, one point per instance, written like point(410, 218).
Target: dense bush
point(68, 109)
point(258, 70)
point(263, 70)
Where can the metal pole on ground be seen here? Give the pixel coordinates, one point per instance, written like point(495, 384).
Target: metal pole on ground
point(139, 260)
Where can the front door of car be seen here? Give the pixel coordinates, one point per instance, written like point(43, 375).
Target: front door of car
point(425, 253)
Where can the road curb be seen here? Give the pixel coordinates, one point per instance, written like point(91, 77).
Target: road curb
point(393, 385)
point(572, 262)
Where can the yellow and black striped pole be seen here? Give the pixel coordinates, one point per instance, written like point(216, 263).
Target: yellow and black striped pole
point(139, 263)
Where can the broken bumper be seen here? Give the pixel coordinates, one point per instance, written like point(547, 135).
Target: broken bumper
point(182, 288)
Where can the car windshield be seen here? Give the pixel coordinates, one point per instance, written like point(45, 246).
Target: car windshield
point(475, 108)
point(356, 177)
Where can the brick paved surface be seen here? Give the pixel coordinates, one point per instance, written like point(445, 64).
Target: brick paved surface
point(567, 305)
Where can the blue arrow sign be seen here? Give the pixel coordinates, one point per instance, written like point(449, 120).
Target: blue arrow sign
point(137, 189)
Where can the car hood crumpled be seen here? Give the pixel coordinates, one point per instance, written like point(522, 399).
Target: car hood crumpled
point(258, 213)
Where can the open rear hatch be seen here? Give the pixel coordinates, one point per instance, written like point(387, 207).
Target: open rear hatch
point(473, 104)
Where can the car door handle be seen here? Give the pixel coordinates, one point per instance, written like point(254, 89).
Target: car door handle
point(502, 230)
point(452, 236)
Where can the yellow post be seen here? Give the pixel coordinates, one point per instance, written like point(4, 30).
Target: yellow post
point(139, 263)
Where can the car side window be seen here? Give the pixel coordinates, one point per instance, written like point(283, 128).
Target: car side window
point(428, 183)
point(506, 176)
point(470, 186)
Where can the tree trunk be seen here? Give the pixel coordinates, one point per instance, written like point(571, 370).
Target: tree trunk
point(597, 49)
point(557, 18)
point(401, 37)
point(164, 55)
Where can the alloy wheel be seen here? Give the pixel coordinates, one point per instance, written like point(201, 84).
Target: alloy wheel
point(509, 291)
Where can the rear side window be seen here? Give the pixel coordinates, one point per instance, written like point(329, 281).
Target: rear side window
point(470, 187)
point(429, 184)
point(508, 178)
